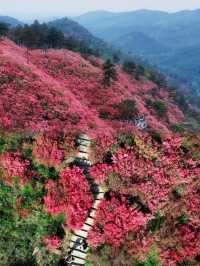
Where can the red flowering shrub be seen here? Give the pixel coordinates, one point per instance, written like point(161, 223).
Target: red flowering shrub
point(114, 221)
point(13, 166)
point(47, 152)
point(99, 172)
point(71, 195)
point(52, 242)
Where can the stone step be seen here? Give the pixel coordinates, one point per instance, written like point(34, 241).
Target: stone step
point(96, 204)
point(83, 155)
point(79, 254)
point(100, 196)
point(78, 260)
point(101, 189)
point(84, 142)
point(90, 221)
point(84, 136)
point(72, 245)
point(92, 214)
point(83, 148)
point(76, 237)
point(86, 227)
point(81, 233)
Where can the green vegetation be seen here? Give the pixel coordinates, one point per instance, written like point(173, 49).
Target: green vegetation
point(129, 67)
point(156, 223)
point(127, 109)
point(160, 108)
point(44, 36)
point(126, 140)
point(183, 219)
point(151, 260)
point(10, 142)
point(21, 234)
point(177, 192)
point(177, 128)
point(109, 73)
point(3, 29)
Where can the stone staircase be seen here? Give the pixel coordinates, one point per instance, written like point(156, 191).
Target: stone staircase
point(78, 247)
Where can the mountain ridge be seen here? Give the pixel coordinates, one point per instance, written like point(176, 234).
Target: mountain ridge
point(177, 31)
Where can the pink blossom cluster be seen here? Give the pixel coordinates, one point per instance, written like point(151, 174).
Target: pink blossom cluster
point(47, 151)
point(99, 172)
point(70, 195)
point(114, 221)
point(14, 166)
point(52, 242)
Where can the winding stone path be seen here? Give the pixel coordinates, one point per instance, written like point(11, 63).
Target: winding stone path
point(78, 247)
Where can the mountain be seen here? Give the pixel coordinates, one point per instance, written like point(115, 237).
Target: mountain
point(109, 26)
point(141, 44)
point(169, 41)
point(84, 158)
point(10, 21)
point(72, 29)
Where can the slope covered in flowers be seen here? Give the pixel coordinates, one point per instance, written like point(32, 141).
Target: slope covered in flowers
point(60, 89)
point(46, 100)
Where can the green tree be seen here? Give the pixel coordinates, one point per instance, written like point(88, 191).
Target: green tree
point(129, 66)
point(4, 28)
point(110, 73)
point(160, 108)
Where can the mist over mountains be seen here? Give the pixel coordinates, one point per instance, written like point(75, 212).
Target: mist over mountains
point(167, 40)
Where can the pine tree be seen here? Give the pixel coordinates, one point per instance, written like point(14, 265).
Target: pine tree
point(109, 72)
point(3, 29)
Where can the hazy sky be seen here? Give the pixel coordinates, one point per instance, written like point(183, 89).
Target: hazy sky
point(54, 8)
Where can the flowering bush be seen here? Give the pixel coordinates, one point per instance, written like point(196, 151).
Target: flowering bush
point(114, 221)
point(52, 242)
point(14, 166)
point(99, 172)
point(66, 196)
point(47, 152)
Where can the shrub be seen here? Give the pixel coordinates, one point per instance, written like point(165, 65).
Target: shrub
point(126, 140)
point(109, 73)
point(22, 233)
point(160, 108)
point(183, 219)
point(156, 223)
point(129, 67)
point(153, 258)
point(177, 128)
point(156, 137)
point(4, 28)
point(177, 192)
point(10, 142)
point(127, 109)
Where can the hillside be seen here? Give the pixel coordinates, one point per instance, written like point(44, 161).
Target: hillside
point(142, 45)
point(175, 32)
point(140, 154)
point(10, 21)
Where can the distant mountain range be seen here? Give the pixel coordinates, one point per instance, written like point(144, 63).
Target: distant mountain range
point(170, 41)
point(10, 21)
